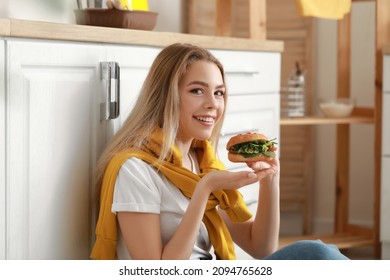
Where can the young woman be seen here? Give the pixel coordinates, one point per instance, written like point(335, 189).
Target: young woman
point(164, 193)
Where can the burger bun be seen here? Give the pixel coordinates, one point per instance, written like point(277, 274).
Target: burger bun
point(242, 138)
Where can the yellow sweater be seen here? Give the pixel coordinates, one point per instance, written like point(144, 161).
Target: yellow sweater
point(229, 200)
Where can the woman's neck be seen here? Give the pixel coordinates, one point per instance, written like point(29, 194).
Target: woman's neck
point(185, 150)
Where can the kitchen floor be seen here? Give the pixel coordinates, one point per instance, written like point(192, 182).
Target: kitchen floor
point(363, 253)
point(291, 225)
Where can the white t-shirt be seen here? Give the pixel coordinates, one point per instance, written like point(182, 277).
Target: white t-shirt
point(140, 188)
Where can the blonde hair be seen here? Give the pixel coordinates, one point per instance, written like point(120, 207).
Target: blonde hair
point(158, 104)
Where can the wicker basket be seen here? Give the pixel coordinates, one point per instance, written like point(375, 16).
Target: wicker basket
point(142, 20)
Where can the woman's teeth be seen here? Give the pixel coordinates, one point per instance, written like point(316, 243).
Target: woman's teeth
point(205, 119)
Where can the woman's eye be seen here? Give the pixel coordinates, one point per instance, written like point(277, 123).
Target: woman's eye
point(197, 91)
point(219, 93)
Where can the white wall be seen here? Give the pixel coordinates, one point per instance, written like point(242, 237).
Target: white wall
point(362, 88)
point(170, 17)
point(41, 10)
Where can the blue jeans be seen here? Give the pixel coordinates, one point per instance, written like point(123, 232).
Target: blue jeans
point(308, 250)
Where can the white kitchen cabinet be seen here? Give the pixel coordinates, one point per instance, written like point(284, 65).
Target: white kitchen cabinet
point(249, 113)
point(250, 72)
point(53, 138)
point(253, 84)
point(52, 143)
point(385, 176)
point(53, 133)
point(134, 63)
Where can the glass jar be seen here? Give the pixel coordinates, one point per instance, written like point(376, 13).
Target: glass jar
point(293, 94)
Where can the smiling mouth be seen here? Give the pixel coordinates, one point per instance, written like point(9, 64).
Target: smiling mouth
point(207, 120)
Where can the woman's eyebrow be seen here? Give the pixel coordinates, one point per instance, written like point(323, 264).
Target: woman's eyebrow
point(204, 84)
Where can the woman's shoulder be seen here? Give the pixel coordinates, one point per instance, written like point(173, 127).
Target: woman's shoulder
point(136, 162)
point(138, 188)
point(141, 170)
point(136, 165)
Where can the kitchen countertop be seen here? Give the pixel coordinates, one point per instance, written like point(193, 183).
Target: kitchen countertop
point(82, 33)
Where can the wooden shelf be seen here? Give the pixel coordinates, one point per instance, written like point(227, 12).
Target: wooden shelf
point(359, 115)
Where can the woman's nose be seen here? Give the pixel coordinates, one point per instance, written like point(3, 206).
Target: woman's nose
point(211, 101)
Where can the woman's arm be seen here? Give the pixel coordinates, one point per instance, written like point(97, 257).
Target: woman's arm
point(259, 236)
point(142, 232)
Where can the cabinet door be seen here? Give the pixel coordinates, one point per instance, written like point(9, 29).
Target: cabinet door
point(2, 151)
point(52, 144)
point(134, 63)
point(253, 83)
point(250, 72)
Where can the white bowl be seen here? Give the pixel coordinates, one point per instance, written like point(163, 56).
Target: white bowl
point(337, 108)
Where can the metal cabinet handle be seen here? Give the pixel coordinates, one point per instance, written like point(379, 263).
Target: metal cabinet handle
point(110, 73)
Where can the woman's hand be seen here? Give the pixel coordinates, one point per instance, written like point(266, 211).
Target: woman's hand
point(222, 179)
point(259, 236)
point(264, 169)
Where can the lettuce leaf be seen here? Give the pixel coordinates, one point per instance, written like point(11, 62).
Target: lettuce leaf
point(254, 148)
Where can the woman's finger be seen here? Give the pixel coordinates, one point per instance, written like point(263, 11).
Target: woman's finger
point(259, 165)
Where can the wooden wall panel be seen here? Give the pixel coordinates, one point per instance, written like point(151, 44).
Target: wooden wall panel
point(201, 17)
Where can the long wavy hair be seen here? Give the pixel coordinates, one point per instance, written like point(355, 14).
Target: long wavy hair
point(158, 105)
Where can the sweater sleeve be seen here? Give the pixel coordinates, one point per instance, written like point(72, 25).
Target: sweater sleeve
point(136, 189)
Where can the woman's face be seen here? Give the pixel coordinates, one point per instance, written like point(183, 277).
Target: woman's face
point(202, 92)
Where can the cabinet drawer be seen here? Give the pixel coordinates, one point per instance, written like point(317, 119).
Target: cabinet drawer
point(250, 72)
point(386, 73)
point(250, 194)
point(385, 198)
point(249, 113)
point(252, 112)
point(386, 124)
